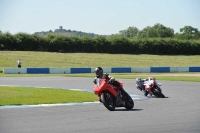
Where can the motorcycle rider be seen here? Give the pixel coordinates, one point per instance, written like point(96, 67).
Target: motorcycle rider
point(111, 80)
point(100, 76)
point(140, 84)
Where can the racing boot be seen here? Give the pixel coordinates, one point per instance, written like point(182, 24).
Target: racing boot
point(146, 92)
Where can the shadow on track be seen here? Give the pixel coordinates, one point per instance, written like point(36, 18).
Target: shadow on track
point(156, 97)
point(128, 110)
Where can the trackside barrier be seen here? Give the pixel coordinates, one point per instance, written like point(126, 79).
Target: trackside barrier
point(15, 70)
point(106, 70)
point(37, 70)
point(59, 70)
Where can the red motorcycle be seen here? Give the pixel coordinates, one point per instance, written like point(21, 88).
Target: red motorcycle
point(153, 88)
point(112, 96)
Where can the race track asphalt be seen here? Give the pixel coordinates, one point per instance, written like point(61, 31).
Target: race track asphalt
point(178, 113)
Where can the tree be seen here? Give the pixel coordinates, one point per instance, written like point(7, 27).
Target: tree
point(130, 32)
point(187, 33)
point(158, 30)
point(163, 31)
point(143, 33)
point(189, 30)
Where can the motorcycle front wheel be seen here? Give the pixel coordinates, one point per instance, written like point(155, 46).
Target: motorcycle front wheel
point(108, 100)
point(159, 93)
point(129, 103)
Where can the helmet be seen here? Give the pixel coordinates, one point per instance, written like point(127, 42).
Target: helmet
point(139, 82)
point(98, 71)
point(138, 79)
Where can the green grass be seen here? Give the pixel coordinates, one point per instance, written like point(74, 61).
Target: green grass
point(29, 96)
point(67, 60)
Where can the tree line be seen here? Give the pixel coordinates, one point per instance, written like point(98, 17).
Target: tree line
point(151, 40)
point(161, 31)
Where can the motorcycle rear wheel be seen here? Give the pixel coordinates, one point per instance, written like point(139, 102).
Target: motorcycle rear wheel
point(108, 100)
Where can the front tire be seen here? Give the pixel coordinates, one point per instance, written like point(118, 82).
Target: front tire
point(108, 100)
point(129, 103)
point(159, 93)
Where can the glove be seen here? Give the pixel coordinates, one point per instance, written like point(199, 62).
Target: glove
point(110, 81)
point(106, 76)
point(94, 81)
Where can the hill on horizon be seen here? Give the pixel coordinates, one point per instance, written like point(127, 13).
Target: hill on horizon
point(68, 32)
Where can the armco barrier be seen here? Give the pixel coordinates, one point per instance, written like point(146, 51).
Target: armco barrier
point(60, 70)
point(160, 69)
point(81, 70)
point(37, 70)
point(15, 70)
point(194, 69)
point(121, 70)
point(106, 70)
point(179, 69)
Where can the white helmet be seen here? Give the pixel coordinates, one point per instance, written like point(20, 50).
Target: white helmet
point(139, 82)
point(138, 79)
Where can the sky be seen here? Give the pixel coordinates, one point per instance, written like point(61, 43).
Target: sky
point(102, 17)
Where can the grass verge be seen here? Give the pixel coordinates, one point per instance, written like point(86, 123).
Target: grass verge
point(67, 60)
point(31, 96)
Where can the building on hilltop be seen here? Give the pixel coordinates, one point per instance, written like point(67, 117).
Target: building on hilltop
point(60, 29)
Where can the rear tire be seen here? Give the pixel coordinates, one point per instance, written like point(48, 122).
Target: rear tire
point(108, 100)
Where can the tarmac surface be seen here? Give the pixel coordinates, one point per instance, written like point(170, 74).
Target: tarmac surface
point(178, 113)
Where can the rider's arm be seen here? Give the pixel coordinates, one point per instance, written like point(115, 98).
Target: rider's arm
point(108, 77)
